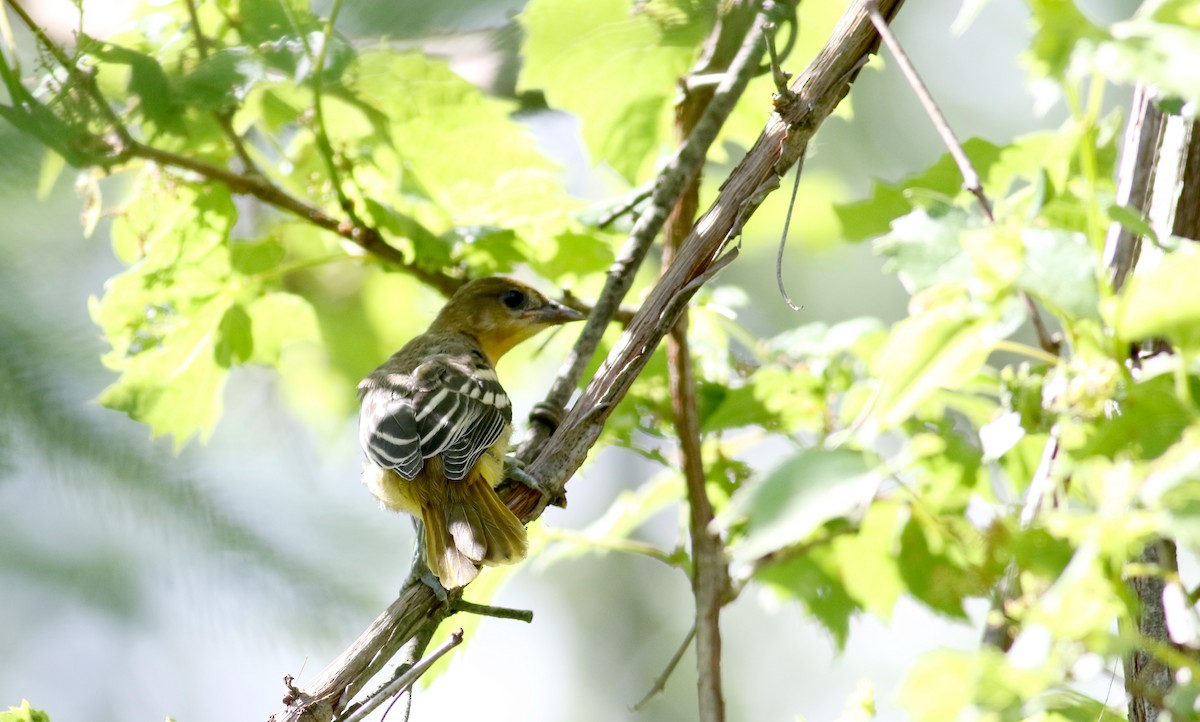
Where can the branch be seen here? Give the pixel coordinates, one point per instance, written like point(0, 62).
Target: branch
point(819, 90)
point(405, 680)
point(660, 683)
point(740, 25)
point(970, 178)
point(252, 184)
point(1139, 149)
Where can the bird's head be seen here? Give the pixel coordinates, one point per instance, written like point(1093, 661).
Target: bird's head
point(500, 313)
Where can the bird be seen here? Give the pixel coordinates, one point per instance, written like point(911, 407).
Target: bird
point(434, 425)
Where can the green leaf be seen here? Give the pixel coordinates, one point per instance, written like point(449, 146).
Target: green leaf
point(773, 397)
point(146, 80)
point(1159, 46)
point(611, 67)
point(923, 248)
point(1151, 419)
point(941, 347)
point(175, 387)
point(871, 217)
point(172, 318)
point(265, 21)
point(487, 250)
point(577, 254)
point(431, 116)
point(814, 578)
point(1059, 271)
point(934, 567)
point(786, 505)
point(251, 258)
point(940, 686)
point(1162, 302)
point(24, 713)
point(1060, 28)
point(235, 342)
point(222, 79)
point(868, 560)
point(278, 320)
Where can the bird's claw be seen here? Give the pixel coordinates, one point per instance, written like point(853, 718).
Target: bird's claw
point(514, 469)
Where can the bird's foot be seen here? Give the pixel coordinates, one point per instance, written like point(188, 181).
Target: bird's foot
point(514, 469)
point(420, 573)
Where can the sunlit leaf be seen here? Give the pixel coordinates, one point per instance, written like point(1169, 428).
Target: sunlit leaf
point(609, 65)
point(24, 713)
point(814, 579)
point(1162, 301)
point(888, 201)
point(790, 502)
point(869, 560)
point(938, 348)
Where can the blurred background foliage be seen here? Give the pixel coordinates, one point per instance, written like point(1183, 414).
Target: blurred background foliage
point(867, 454)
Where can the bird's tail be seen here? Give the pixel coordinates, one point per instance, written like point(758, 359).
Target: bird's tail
point(473, 528)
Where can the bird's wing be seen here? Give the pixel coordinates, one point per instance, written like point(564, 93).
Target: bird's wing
point(445, 407)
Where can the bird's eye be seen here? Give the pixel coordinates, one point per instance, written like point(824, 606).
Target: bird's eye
point(512, 299)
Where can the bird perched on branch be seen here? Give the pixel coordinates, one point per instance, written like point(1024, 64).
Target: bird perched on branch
point(435, 424)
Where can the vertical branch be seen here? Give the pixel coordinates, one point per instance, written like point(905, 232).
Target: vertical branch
point(1148, 679)
point(710, 575)
point(1139, 149)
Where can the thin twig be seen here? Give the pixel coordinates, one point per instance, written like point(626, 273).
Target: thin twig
point(224, 117)
point(970, 178)
point(626, 205)
point(365, 237)
point(201, 39)
point(660, 682)
point(999, 630)
point(778, 75)
point(486, 610)
point(406, 680)
point(85, 80)
point(324, 147)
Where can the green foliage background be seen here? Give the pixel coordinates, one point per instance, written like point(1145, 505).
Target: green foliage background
point(867, 456)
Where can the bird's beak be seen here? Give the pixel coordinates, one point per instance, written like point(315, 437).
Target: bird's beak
point(553, 313)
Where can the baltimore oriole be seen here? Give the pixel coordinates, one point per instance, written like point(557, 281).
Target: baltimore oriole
point(435, 425)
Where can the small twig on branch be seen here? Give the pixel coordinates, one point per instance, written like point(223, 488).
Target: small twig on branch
point(778, 75)
point(486, 610)
point(710, 575)
point(970, 178)
point(224, 117)
point(405, 680)
point(624, 206)
point(365, 237)
point(660, 682)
